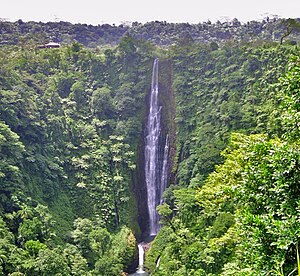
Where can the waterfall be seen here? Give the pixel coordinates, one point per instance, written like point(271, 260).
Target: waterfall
point(164, 173)
point(141, 255)
point(151, 150)
point(141, 258)
point(155, 167)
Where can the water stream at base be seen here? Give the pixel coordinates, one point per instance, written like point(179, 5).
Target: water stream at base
point(141, 259)
point(140, 271)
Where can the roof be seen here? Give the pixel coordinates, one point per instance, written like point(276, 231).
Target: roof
point(52, 44)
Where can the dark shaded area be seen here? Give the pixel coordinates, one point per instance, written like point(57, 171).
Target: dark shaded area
point(167, 101)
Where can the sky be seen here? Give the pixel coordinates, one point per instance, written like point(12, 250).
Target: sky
point(121, 11)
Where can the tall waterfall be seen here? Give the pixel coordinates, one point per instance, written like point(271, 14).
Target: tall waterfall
point(164, 173)
point(155, 166)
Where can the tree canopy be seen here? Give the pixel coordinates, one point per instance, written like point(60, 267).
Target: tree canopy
point(71, 140)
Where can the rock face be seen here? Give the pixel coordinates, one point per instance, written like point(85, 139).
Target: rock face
point(166, 107)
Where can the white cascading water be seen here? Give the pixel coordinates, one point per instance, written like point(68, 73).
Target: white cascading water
point(155, 170)
point(164, 173)
point(141, 259)
point(151, 151)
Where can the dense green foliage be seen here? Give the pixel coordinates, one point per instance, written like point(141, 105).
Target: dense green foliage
point(219, 91)
point(244, 218)
point(71, 122)
point(158, 32)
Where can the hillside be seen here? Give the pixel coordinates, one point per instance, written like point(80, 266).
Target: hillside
point(158, 32)
point(235, 108)
point(72, 125)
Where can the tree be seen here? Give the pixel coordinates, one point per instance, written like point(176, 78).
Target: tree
point(7, 245)
point(165, 213)
point(33, 247)
point(127, 46)
point(78, 93)
point(102, 103)
point(78, 265)
point(100, 241)
point(51, 262)
point(83, 227)
point(29, 229)
point(290, 25)
point(11, 150)
point(288, 116)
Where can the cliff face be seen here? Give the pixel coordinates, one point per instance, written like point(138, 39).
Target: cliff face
point(167, 102)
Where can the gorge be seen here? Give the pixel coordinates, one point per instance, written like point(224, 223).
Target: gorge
point(157, 147)
point(156, 159)
point(90, 139)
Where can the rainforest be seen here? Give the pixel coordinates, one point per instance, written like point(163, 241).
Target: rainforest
point(180, 139)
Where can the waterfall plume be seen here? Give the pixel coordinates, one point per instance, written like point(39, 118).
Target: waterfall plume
point(156, 163)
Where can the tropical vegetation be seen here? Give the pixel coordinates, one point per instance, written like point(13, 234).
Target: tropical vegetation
point(71, 130)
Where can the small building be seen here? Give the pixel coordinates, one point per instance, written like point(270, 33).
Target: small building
point(50, 45)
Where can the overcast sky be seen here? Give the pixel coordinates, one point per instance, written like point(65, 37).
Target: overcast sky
point(118, 11)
